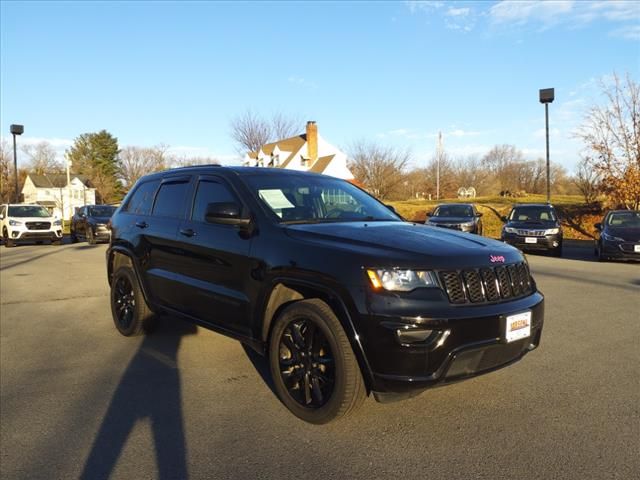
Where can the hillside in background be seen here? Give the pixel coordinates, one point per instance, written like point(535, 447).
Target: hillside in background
point(577, 217)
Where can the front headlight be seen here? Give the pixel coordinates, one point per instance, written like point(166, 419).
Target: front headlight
point(15, 223)
point(611, 238)
point(467, 225)
point(510, 230)
point(396, 280)
point(551, 231)
point(57, 223)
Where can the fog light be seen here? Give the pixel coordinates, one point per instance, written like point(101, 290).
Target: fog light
point(14, 234)
point(412, 335)
point(555, 244)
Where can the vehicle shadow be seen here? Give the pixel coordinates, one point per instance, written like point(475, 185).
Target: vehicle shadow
point(149, 390)
point(261, 365)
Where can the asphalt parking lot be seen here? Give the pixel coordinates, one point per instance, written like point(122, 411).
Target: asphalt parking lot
point(79, 400)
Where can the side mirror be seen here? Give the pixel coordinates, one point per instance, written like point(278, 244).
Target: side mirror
point(479, 214)
point(226, 213)
point(429, 214)
point(390, 207)
point(598, 226)
point(503, 218)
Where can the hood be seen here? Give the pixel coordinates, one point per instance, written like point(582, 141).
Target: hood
point(33, 219)
point(533, 224)
point(404, 243)
point(630, 234)
point(451, 219)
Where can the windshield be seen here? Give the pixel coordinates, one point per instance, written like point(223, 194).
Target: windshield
point(624, 219)
point(535, 214)
point(28, 211)
point(453, 211)
point(101, 211)
point(315, 199)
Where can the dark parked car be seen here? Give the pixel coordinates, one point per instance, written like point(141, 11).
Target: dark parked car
point(458, 216)
point(341, 295)
point(90, 223)
point(533, 227)
point(619, 235)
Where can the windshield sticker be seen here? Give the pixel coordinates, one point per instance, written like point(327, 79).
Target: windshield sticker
point(275, 199)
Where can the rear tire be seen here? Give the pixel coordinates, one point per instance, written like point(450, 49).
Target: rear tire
point(314, 370)
point(131, 314)
point(74, 237)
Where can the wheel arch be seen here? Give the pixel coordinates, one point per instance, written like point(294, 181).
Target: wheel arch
point(118, 256)
point(286, 291)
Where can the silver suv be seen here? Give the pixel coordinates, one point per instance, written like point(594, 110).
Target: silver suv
point(23, 223)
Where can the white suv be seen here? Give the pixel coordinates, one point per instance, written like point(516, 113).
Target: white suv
point(29, 223)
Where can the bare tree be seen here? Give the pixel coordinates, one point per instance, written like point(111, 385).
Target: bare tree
point(190, 161)
point(611, 133)
point(6, 172)
point(136, 162)
point(250, 132)
point(380, 168)
point(43, 158)
point(587, 180)
point(501, 162)
point(283, 126)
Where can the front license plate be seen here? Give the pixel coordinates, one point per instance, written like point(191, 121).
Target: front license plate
point(518, 326)
point(530, 240)
point(636, 248)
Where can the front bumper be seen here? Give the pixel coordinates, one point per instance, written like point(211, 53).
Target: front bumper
point(464, 342)
point(622, 250)
point(25, 235)
point(547, 242)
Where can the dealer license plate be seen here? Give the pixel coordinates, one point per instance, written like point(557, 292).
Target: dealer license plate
point(518, 326)
point(530, 240)
point(636, 248)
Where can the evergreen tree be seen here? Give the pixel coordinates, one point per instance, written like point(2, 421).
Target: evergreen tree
point(96, 155)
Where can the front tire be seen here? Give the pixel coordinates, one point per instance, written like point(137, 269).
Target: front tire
point(91, 239)
point(74, 237)
point(131, 314)
point(8, 243)
point(315, 372)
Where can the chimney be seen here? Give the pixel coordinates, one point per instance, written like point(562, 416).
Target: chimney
point(312, 141)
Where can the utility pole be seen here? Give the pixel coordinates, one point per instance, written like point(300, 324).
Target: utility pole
point(438, 159)
point(16, 130)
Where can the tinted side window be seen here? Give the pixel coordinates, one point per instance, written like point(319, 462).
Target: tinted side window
point(210, 191)
point(170, 201)
point(142, 199)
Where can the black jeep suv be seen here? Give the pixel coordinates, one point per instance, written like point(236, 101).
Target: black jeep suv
point(343, 296)
point(91, 223)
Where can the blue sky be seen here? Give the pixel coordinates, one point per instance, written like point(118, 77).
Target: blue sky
point(392, 72)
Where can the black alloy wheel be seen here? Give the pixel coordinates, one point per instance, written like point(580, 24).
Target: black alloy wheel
point(131, 314)
point(125, 302)
point(307, 366)
point(314, 369)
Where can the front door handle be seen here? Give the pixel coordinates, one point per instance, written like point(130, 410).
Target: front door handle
point(187, 232)
point(142, 224)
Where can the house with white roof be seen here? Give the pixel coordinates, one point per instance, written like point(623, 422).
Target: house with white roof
point(308, 152)
point(58, 196)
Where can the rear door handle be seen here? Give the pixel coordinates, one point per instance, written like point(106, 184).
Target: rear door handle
point(142, 224)
point(187, 232)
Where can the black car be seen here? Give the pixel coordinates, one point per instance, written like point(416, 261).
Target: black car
point(533, 227)
point(341, 295)
point(619, 235)
point(90, 223)
point(458, 216)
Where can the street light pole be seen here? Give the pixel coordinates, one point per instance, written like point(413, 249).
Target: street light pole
point(16, 130)
point(547, 96)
